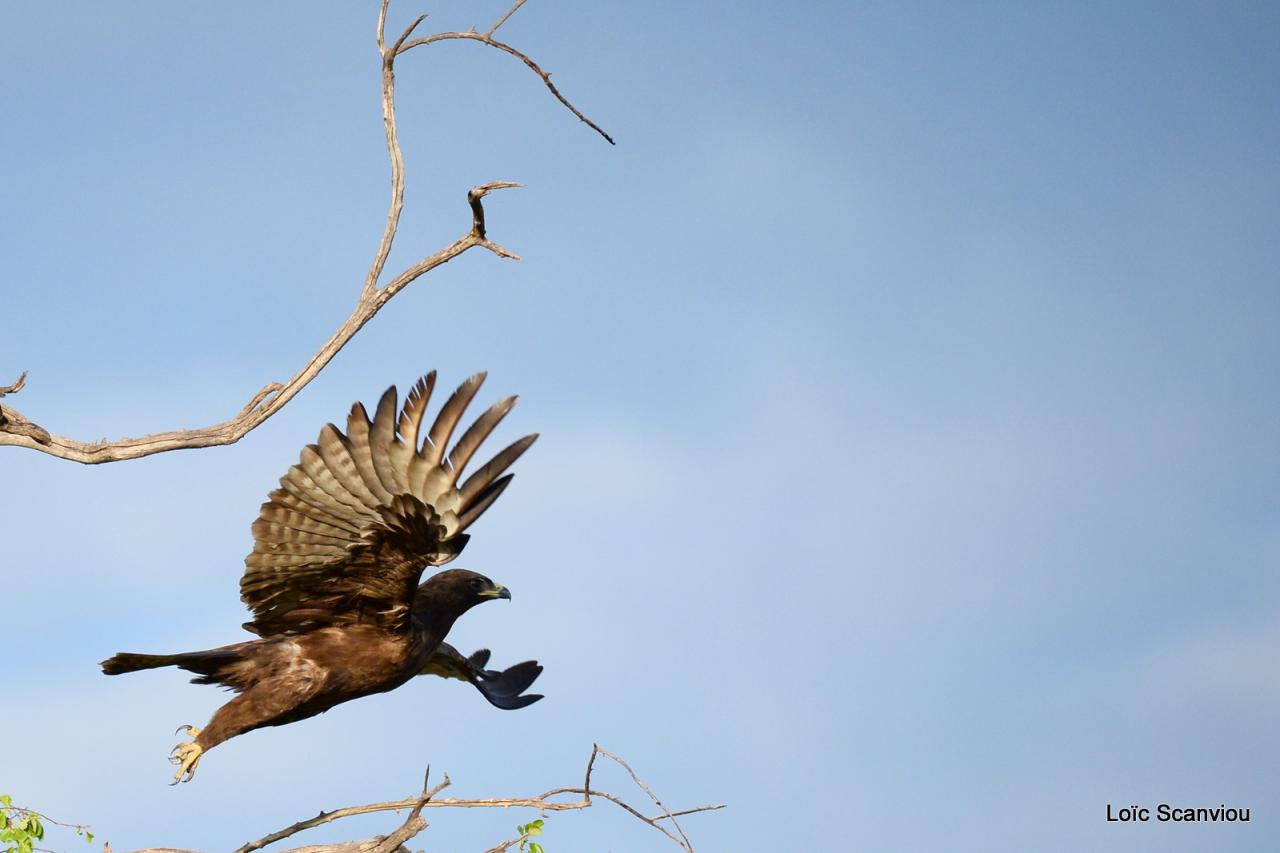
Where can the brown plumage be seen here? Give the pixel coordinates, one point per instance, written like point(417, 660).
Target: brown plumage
point(333, 578)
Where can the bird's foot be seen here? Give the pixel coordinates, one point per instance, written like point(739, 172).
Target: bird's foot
point(186, 756)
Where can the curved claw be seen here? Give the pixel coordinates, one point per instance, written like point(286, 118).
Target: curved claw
point(186, 756)
point(190, 730)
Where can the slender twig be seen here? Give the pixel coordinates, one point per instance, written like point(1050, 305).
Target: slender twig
point(591, 763)
point(393, 154)
point(684, 812)
point(17, 430)
point(503, 846)
point(486, 38)
point(390, 55)
point(44, 818)
point(665, 812)
point(503, 19)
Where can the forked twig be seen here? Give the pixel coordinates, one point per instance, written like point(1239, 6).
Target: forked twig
point(11, 421)
point(18, 431)
point(417, 804)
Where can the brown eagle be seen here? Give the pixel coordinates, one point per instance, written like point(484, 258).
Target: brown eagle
point(333, 577)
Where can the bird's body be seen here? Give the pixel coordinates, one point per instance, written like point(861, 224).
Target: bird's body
point(333, 578)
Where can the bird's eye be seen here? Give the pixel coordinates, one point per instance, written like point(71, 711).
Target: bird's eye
point(477, 583)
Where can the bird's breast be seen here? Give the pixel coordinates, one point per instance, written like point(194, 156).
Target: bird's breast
point(362, 659)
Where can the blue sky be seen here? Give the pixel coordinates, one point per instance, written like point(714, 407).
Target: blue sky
point(906, 379)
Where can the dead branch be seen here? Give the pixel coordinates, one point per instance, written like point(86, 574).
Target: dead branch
point(486, 38)
point(19, 431)
point(337, 814)
point(414, 823)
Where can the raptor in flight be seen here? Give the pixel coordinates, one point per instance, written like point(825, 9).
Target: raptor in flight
point(333, 579)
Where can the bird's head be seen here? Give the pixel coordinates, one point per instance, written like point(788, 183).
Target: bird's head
point(452, 593)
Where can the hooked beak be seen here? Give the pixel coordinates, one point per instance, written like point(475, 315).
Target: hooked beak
point(498, 591)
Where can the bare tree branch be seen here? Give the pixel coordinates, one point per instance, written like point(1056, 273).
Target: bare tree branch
point(414, 823)
point(486, 38)
point(18, 431)
point(337, 814)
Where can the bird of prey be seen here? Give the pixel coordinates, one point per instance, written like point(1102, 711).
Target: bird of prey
point(333, 579)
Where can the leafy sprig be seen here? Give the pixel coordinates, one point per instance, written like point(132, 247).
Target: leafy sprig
point(530, 830)
point(21, 829)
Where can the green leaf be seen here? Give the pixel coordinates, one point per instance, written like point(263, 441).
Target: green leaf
point(88, 836)
point(6, 800)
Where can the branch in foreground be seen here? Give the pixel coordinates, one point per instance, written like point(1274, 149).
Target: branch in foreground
point(415, 823)
point(18, 431)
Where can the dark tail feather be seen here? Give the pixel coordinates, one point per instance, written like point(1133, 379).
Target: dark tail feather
point(132, 662)
point(205, 663)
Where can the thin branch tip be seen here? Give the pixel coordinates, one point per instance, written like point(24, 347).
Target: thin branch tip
point(504, 18)
point(15, 387)
point(545, 76)
point(382, 26)
point(499, 251)
point(479, 192)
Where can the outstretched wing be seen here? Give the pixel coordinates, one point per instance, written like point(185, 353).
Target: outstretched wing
point(503, 688)
point(347, 535)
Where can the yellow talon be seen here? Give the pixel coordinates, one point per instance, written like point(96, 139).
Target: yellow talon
point(186, 756)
